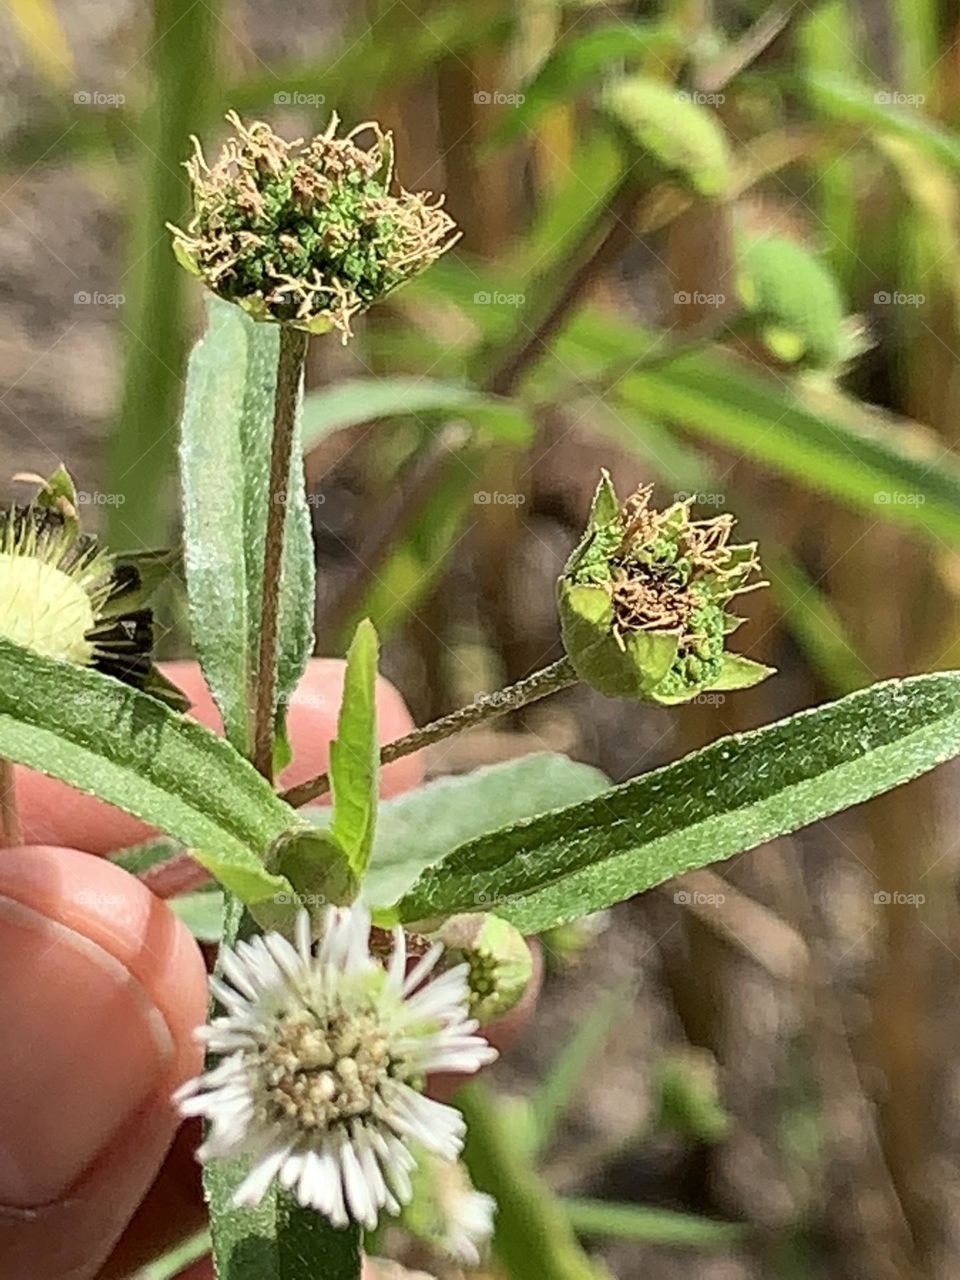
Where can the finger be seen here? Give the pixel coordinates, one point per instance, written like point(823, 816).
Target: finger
point(53, 813)
point(100, 989)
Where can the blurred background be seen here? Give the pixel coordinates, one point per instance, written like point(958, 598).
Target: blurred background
point(739, 279)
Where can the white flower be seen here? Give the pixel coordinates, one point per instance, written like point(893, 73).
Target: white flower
point(325, 1056)
point(467, 1216)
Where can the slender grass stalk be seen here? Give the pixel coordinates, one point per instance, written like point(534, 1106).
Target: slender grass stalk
point(182, 49)
point(293, 349)
point(10, 831)
point(549, 680)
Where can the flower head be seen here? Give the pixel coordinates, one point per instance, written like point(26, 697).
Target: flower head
point(324, 1057)
point(448, 1212)
point(643, 600)
point(307, 233)
point(64, 596)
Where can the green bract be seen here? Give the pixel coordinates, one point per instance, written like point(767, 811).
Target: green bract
point(306, 233)
point(643, 601)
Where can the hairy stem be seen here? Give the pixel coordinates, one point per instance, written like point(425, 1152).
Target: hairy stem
point(10, 831)
point(488, 706)
point(293, 349)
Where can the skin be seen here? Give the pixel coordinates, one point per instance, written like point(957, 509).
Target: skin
point(101, 987)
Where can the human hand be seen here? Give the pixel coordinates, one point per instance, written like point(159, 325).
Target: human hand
point(101, 987)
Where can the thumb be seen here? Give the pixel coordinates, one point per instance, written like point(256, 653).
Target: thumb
point(100, 988)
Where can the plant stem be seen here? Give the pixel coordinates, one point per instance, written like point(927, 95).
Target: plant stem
point(293, 349)
point(10, 831)
point(488, 706)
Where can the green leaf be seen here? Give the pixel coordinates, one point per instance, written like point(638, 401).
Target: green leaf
point(357, 400)
point(109, 740)
point(866, 460)
point(843, 101)
point(652, 1225)
point(278, 1240)
point(417, 830)
point(227, 429)
point(735, 794)
point(355, 753)
point(201, 912)
point(666, 124)
point(577, 61)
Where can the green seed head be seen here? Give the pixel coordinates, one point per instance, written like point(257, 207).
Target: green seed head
point(643, 600)
point(307, 233)
point(499, 962)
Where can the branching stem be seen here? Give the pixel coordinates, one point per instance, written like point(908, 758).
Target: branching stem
point(486, 707)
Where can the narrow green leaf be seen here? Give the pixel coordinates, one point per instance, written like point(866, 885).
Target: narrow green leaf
point(357, 400)
point(883, 471)
point(418, 829)
point(227, 427)
point(844, 101)
point(355, 754)
point(563, 1077)
point(815, 624)
point(652, 1225)
point(733, 795)
point(106, 738)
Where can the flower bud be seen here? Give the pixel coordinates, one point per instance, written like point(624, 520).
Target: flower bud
point(306, 233)
point(499, 960)
point(643, 601)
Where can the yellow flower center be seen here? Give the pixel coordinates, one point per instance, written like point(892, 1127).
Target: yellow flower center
point(44, 609)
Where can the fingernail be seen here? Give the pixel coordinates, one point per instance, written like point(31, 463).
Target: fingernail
point(84, 1047)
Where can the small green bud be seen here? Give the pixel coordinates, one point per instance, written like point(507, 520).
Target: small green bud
point(306, 233)
point(499, 960)
point(643, 601)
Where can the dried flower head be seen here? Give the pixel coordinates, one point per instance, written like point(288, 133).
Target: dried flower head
point(324, 1057)
point(64, 596)
point(307, 233)
point(643, 600)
